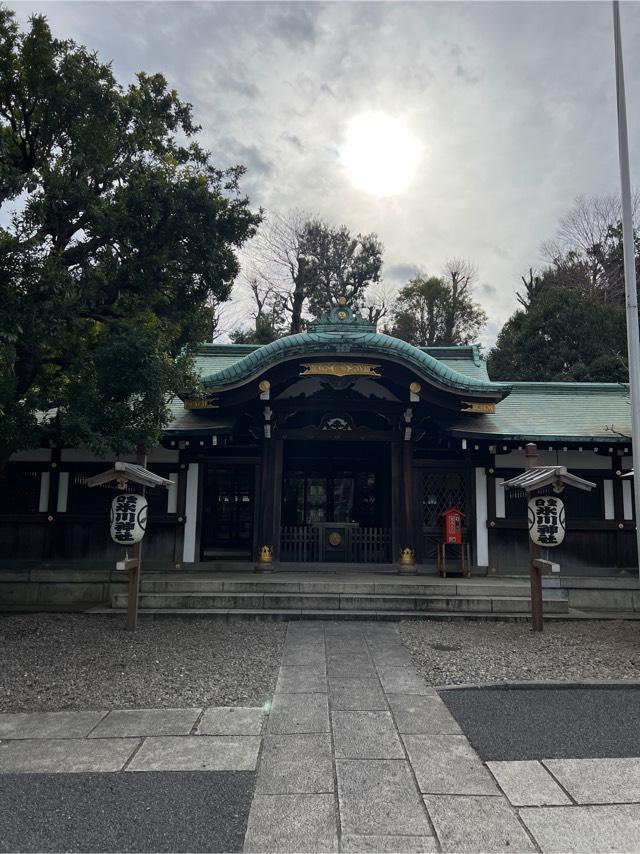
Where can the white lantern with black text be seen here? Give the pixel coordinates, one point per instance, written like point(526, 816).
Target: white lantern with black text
point(128, 518)
point(546, 521)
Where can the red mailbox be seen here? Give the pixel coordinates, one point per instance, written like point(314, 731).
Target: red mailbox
point(452, 528)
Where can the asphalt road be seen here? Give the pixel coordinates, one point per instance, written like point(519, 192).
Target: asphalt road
point(144, 812)
point(548, 723)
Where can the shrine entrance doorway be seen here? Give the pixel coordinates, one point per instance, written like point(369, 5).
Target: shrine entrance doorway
point(336, 502)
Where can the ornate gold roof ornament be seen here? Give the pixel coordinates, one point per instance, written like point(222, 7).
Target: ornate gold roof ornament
point(473, 406)
point(339, 369)
point(201, 403)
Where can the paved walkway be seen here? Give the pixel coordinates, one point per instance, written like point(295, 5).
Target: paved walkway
point(358, 754)
point(213, 739)
point(361, 755)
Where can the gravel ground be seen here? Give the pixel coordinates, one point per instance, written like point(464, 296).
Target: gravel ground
point(72, 661)
point(456, 652)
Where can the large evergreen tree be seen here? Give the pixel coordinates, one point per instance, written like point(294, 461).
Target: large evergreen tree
point(564, 335)
point(122, 238)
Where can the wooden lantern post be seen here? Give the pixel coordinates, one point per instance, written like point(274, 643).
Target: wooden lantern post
point(120, 475)
point(535, 573)
point(534, 478)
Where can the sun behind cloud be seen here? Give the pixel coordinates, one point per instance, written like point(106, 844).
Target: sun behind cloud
point(380, 154)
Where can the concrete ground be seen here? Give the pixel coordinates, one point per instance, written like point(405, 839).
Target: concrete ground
point(549, 722)
point(356, 754)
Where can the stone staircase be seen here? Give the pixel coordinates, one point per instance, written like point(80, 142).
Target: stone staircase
point(290, 595)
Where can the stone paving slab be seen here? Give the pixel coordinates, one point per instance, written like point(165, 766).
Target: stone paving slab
point(197, 753)
point(422, 715)
point(388, 844)
point(307, 654)
point(353, 694)
point(403, 680)
point(473, 824)
point(378, 797)
point(298, 713)
point(390, 656)
point(232, 720)
point(302, 679)
point(128, 723)
point(559, 830)
point(351, 664)
point(292, 823)
point(48, 724)
point(296, 764)
point(365, 735)
point(447, 764)
point(526, 783)
point(344, 646)
point(66, 755)
point(598, 781)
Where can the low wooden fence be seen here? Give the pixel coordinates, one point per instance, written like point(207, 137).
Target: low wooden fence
point(307, 543)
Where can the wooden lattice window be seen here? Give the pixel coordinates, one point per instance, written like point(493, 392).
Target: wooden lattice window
point(440, 491)
point(19, 490)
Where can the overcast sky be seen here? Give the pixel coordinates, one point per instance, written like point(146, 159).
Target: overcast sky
point(505, 112)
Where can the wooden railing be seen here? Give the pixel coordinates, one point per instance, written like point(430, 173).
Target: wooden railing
point(306, 543)
point(371, 545)
point(299, 543)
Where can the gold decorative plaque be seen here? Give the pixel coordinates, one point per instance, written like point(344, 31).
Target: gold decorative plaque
point(200, 403)
point(415, 388)
point(487, 408)
point(339, 369)
point(335, 538)
point(264, 385)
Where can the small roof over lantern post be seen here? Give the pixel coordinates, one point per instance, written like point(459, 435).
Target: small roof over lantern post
point(546, 518)
point(129, 519)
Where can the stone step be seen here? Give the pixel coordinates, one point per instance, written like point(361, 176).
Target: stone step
point(443, 587)
point(266, 614)
point(352, 602)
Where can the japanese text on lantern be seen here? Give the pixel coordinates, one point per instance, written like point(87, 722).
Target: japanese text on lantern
point(546, 521)
point(128, 518)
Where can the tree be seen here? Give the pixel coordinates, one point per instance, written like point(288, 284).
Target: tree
point(121, 243)
point(564, 335)
point(588, 240)
point(337, 264)
point(299, 265)
point(433, 311)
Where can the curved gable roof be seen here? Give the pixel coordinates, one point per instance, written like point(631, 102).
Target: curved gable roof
point(351, 336)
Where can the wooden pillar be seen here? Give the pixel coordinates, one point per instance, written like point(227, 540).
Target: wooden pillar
point(181, 509)
point(278, 462)
point(266, 512)
point(408, 545)
point(396, 501)
point(52, 505)
point(618, 507)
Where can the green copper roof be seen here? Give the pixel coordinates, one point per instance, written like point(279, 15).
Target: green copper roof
point(465, 359)
point(569, 412)
point(346, 334)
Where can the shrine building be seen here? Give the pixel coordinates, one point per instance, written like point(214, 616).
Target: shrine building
point(340, 445)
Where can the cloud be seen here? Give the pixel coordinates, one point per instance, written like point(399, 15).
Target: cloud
point(513, 126)
point(400, 273)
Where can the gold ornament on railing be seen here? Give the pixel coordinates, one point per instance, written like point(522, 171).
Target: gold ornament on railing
point(407, 557)
point(265, 555)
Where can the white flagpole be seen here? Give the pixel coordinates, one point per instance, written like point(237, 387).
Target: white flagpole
point(633, 332)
